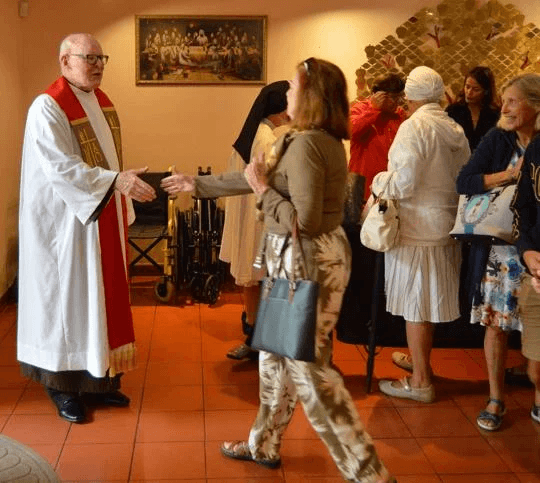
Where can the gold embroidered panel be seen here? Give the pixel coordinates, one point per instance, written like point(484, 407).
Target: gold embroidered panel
point(91, 151)
point(452, 38)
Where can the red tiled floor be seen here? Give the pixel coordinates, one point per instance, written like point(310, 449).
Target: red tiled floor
point(11, 378)
point(520, 453)
point(110, 426)
point(231, 397)
point(168, 460)
point(384, 422)
point(174, 374)
point(187, 397)
point(37, 428)
point(51, 452)
point(299, 426)
point(228, 425)
point(403, 456)
point(34, 400)
point(171, 426)
point(173, 398)
point(528, 478)
point(227, 371)
point(462, 455)
point(496, 478)
point(306, 459)
point(433, 422)
point(9, 399)
point(95, 462)
point(3, 420)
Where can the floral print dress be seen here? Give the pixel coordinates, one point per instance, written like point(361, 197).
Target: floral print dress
point(500, 286)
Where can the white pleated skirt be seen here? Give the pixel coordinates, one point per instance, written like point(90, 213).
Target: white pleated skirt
point(422, 282)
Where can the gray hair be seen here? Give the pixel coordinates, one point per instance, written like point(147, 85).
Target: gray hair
point(529, 85)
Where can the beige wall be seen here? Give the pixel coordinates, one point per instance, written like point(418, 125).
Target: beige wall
point(183, 125)
point(11, 124)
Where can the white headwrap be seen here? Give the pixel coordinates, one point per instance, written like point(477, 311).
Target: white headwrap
point(424, 84)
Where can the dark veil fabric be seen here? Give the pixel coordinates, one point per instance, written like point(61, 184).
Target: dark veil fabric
point(271, 100)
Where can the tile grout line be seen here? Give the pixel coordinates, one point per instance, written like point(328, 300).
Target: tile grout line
point(139, 409)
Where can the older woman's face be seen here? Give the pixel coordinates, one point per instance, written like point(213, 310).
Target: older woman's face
point(292, 95)
point(516, 113)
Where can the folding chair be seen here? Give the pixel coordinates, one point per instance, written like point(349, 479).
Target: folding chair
point(156, 221)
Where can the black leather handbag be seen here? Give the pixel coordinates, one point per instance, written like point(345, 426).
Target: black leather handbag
point(286, 320)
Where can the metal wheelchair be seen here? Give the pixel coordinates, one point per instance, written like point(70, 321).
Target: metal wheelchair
point(192, 241)
point(201, 229)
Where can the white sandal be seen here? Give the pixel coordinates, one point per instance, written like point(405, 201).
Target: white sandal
point(405, 391)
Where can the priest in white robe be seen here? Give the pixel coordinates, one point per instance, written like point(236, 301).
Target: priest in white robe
point(75, 330)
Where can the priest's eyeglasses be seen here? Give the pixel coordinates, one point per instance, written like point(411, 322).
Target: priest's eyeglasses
point(93, 58)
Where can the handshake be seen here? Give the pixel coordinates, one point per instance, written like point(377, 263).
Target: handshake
point(130, 184)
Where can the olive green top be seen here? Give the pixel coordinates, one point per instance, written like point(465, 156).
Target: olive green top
point(309, 181)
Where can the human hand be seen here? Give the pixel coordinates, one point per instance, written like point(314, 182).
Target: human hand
point(535, 283)
point(386, 101)
point(255, 174)
point(517, 169)
point(378, 100)
point(178, 183)
point(532, 260)
point(129, 184)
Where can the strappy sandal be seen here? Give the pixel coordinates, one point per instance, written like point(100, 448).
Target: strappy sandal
point(239, 450)
point(496, 419)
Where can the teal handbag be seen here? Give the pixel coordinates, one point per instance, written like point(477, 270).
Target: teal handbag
point(286, 322)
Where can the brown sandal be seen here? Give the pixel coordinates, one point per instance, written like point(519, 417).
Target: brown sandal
point(239, 450)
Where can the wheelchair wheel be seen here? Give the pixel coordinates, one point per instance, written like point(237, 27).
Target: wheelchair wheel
point(211, 289)
point(164, 290)
point(197, 288)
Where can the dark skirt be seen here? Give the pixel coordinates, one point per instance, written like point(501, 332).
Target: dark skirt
point(71, 381)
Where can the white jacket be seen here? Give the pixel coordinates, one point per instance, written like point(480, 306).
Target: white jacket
point(423, 163)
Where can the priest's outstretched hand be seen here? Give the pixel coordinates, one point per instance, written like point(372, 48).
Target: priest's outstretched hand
point(129, 184)
point(178, 183)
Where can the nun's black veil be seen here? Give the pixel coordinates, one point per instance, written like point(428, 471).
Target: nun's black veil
point(271, 100)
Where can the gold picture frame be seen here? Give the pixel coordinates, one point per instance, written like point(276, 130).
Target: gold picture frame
point(187, 50)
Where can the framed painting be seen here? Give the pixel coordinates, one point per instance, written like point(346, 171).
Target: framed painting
point(179, 49)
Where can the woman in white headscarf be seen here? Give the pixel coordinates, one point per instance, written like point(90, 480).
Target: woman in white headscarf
point(422, 271)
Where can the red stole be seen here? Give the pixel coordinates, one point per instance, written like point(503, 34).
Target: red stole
point(120, 331)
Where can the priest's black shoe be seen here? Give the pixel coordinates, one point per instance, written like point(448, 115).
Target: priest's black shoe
point(116, 399)
point(69, 405)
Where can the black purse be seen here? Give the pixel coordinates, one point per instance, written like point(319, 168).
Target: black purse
point(286, 322)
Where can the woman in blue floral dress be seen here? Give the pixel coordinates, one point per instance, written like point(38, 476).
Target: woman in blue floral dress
point(495, 271)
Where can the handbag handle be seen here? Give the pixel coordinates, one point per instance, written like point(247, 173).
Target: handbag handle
point(295, 245)
point(377, 198)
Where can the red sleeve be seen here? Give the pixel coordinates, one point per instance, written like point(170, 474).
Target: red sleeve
point(362, 116)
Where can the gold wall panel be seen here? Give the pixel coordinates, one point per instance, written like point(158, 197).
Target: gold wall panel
point(452, 38)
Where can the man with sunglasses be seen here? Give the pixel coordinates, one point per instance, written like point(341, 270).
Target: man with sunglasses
point(75, 330)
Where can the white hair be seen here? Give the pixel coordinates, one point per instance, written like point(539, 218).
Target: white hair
point(72, 41)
